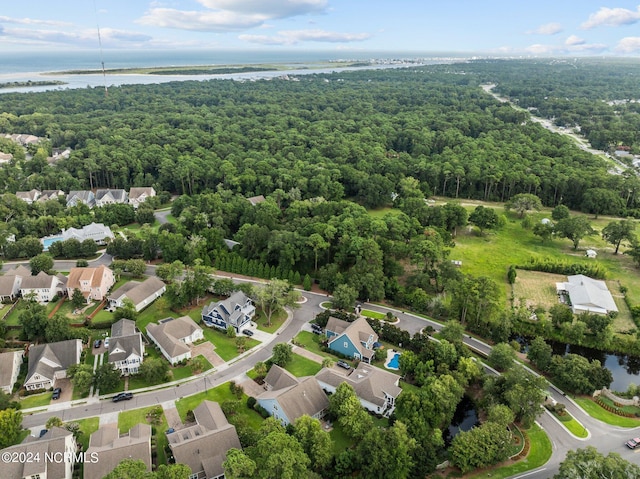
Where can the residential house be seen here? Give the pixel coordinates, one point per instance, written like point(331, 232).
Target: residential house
point(108, 447)
point(254, 200)
point(141, 294)
point(173, 337)
point(5, 157)
point(126, 349)
point(203, 447)
point(376, 388)
point(58, 153)
point(94, 283)
point(48, 362)
point(287, 398)
point(43, 287)
point(28, 197)
point(81, 196)
point(10, 286)
point(109, 197)
point(97, 232)
point(9, 369)
point(237, 310)
point(355, 340)
point(56, 443)
point(587, 295)
point(50, 195)
point(139, 195)
point(22, 138)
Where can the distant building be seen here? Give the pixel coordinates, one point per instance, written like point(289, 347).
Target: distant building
point(28, 197)
point(587, 295)
point(81, 196)
point(50, 195)
point(137, 196)
point(287, 398)
point(57, 442)
point(126, 349)
point(109, 197)
point(203, 447)
point(97, 232)
point(237, 311)
point(48, 362)
point(173, 336)
point(110, 448)
point(255, 200)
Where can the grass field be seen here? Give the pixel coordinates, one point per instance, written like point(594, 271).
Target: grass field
point(537, 289)
point(128, 419)
point(300, 366)
point(573, 426)
point(373, 314)
point(595, 411)
point(311, 342)
point(87, 426)
point(36, 400)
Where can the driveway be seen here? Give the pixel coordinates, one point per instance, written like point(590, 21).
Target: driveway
point(67, 390)
point(207, 350)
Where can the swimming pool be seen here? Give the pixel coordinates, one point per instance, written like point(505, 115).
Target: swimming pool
point(394, 362)
point(49, 240)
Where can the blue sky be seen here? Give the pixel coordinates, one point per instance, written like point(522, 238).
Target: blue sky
point(510, 27)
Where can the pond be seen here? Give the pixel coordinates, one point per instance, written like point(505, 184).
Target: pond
point(465, 417)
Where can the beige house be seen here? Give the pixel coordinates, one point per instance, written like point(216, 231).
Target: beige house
point(109, 448)
point(173, 336)
point(55, 443)
point(9, 369)
point(376, 388)
point(94, 283)
point(28, 196)
point(203, 447)
point(139, 195)
point(126, 349)
point(287, 397)
point(141, 294)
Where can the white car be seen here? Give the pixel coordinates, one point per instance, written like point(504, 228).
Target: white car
point(106, 342)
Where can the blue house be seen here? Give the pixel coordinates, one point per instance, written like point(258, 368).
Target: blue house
point(355, 340)
point(237, 310)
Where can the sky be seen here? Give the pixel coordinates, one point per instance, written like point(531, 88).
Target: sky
point(491, 27)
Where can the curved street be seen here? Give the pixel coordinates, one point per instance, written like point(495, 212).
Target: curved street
point(602, 436)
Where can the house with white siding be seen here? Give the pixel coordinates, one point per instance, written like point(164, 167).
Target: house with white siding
point(173, 337)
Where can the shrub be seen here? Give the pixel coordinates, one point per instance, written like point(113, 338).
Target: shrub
point(251, 402)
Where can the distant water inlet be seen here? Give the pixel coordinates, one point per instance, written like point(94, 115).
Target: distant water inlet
point(393, 360)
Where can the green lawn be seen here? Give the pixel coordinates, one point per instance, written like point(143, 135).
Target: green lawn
point(382, 212)
point(311, 342)
point(373, 314)
point(277, 319)
point(4, 308)
point(597, 412)
point(300, 366)
point(128, 419)
point(341, 441)
point(219, 394)
point(225, 346)
point(36, 400)
point(573, 426)
point(87, 426)
point(12, 318)
point(158, 310)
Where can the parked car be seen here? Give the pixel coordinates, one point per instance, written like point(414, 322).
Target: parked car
point(56, 393)
point(122, 397)
point(343, 364)
point(97, 343)
point(247, 332)
point(315, 326)
point(633, 443)
point(106, 342)
point(43, 432)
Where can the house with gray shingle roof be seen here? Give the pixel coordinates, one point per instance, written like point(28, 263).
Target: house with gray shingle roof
point(256, 200)
point(28, 196)
point(110, 196)
point(50, 195)
point(81, 196)
point(139, 195)
point(55, 443)
point(237, 310)
point(48, 362)
point(203, 447)
point(173, 337)
point(587, 295)
point(43, 287)
point(10, 287)
point(287, 397)
point(109, 447)
point(355, 340)
point(10, 363)
point(141, 294)
point(97, 232)
point(376, 388)
point(126, 349)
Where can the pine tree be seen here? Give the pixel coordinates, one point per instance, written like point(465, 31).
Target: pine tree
point(297, 279)
point(306, 283)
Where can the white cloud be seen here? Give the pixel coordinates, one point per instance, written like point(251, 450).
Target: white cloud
point(81, 37)
point(539, 49)
point(203, 21)
point(269, 8)
point(33, 21)
point(628, 45)
point(547, 29)
point(574, 40)
point(292, 37)
point(612, 17)
point(565, 49)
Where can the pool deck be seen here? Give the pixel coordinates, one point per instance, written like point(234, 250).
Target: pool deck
point(390, 354)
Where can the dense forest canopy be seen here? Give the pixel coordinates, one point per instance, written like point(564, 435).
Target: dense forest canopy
point(353, 135)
